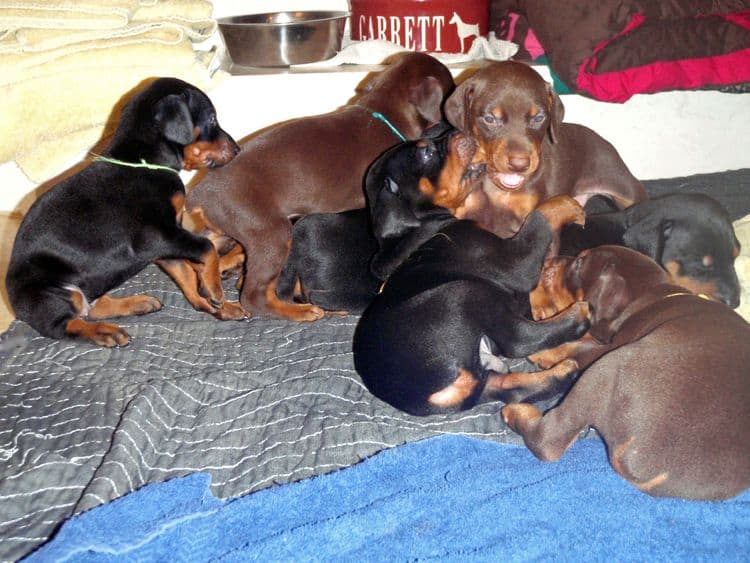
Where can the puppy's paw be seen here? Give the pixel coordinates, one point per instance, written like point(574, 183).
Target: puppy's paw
point(231, 311)
point(146, 304)
point(582, 310)
point(519, 416)
point(543, 310)
point(307, 313)
point(103, 334)
point(561, 210)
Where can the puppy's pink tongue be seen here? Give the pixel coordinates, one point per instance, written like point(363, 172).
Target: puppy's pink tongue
point(510, 181)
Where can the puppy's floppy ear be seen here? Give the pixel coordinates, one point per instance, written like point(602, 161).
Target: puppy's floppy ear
point(457, 105)
point(392, 218)
point(648, 237)
point(172, 116)
point(607, 298)
point(427, 96)
point(556, 112)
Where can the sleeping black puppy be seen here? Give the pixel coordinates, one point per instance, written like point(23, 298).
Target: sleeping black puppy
point(690, 235)
point(454, 292)
point(101, 226)
point(329, 260)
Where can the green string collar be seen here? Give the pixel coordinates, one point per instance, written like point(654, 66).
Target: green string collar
point(141, 164)
point(384, 119)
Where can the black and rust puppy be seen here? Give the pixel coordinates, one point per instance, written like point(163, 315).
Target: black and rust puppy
point(665, 378)
point(94, 230)
point(452, 289)
point(690, 235)
point(329, 261)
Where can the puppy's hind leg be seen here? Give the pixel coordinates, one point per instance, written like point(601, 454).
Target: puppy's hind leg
point(57, 313)
point(549, 436)
point(108, 306)
point(193, 263)
point(272, 242)
point(184, 275)
point(532, 336)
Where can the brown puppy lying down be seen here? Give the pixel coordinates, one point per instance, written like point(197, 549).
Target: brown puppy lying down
point(666, 379)
point(313, 165)
point(515, 117)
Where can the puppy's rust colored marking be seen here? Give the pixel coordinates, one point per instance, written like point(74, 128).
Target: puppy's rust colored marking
point(550, 357)
point(178, 202)
point(533, 380)
point(191, 280)
point(520, 415)
point(561, 210)
point(207, 154)
point(457, 392)
point(691, 284)
point(616, 459)
point(186, 278)
point(231, 254)
point(232, 262)
point(209, 277)
point(457, 178)
point(102, 334)
point(107, 306)
point(299, 312)
point(80, 305)
point(551, 296)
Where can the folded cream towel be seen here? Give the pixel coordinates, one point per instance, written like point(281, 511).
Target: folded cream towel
point(41, 127)
point(66, 64)
point(195, 16)
point(192, 17)
point(56, 14)
point(742, 265)
point(18, 67)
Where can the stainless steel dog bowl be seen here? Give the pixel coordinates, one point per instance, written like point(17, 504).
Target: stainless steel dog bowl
point(283, 38)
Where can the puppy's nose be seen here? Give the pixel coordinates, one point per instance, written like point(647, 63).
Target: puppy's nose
point(519, 162)
point(234, 147)
point(730, 298)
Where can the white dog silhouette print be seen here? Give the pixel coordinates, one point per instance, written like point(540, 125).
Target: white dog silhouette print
point(464, 30)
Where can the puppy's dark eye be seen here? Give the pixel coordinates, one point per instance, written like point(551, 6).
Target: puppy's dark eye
point(538, 119)
point(391, 185)
point(473, 171)
point(489, 119)
point(426, 151)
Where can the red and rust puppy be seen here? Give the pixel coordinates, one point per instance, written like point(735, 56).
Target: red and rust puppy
point(665, 380)
point(452, 290)
point(94, 230)
point(313, 165)
point(690, 235)
point(516, 119)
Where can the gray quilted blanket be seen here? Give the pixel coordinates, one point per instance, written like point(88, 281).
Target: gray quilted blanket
point(254, 403)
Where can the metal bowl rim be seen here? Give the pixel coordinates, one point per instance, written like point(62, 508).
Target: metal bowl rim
point(321, 16)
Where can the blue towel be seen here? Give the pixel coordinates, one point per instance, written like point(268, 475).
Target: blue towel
point(447, 498)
